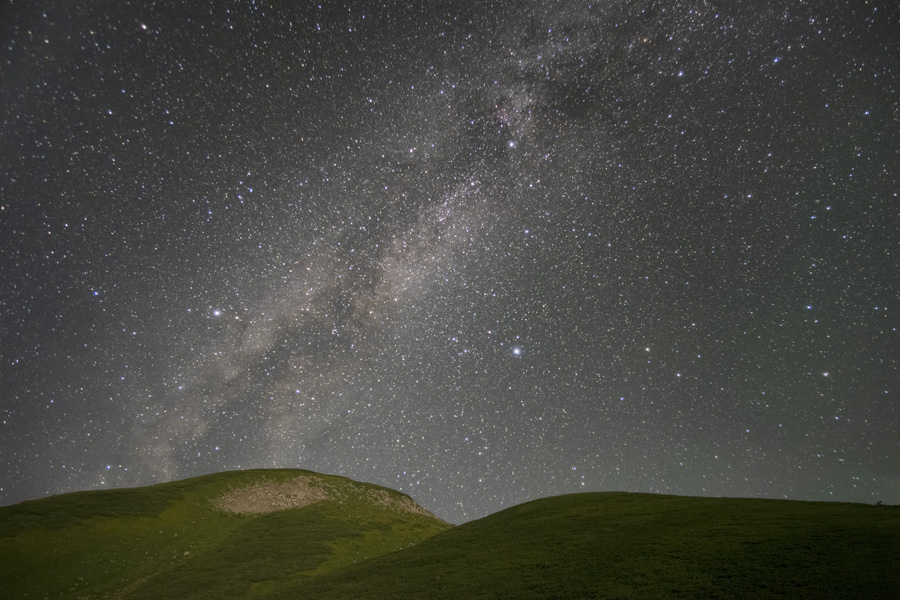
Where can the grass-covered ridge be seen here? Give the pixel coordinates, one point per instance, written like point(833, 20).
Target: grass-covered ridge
point(279, 534)
point(184, 539)
point(621, 545)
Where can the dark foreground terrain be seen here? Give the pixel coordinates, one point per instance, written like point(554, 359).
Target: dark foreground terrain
point(296, 534)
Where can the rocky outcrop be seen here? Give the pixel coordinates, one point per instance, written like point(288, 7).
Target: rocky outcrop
point(302, 490)
point(272, 495)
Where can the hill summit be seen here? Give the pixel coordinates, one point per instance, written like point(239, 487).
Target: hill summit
point(229, 534)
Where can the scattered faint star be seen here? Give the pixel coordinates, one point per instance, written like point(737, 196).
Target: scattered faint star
point(387, 209)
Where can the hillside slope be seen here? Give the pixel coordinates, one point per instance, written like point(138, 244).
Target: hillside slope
point(229, 535)
point(279, 534)
point(619, 545)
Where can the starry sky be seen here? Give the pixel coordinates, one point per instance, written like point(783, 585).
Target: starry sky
point(476, 252)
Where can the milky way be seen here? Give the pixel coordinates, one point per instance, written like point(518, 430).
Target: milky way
point(480, 254)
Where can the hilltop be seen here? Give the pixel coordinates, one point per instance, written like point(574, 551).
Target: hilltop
point(279, 534)
point(234, 534)
point(625, 545)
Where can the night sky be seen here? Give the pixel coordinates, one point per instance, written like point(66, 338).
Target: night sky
point(476, 252)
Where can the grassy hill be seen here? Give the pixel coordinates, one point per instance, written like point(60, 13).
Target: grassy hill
point(229, 535)
point(283, 534)
point(619, 545)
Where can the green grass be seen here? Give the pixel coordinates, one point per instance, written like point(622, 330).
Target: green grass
point(618, 545)
point(170, 541)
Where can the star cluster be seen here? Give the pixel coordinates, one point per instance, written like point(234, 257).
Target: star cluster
point(477, 254)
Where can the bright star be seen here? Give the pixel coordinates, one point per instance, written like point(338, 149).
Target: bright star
point(517, 351)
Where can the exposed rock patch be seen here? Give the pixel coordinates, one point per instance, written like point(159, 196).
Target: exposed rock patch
point(400, 503)
point(303, 490)
point(271, 496)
